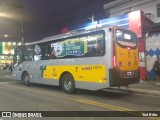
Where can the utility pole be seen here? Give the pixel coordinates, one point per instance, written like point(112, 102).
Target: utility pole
point(22, 29)
point(18, 6)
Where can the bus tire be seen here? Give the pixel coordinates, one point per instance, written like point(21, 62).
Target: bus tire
point(68, 84)
point(26, 79)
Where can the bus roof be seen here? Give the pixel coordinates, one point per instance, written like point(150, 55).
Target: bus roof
point(70, 34)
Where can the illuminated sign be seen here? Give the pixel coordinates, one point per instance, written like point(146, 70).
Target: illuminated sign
point(7, 47)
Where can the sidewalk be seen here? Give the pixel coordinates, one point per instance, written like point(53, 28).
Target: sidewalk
point(143, 87)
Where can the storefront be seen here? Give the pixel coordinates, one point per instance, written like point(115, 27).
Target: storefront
point(6, 53)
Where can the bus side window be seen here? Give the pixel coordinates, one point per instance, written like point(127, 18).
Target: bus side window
point(37, 52)
point(52, 53)
point(27, 53)
point(17, 58)
point(95, 47)
point(45, 50)
point(30, 53)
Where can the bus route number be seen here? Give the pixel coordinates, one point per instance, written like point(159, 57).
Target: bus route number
point(92, 68)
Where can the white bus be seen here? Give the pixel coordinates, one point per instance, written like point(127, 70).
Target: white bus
point(91, 59)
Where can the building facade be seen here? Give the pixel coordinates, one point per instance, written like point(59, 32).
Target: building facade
point(151, 8)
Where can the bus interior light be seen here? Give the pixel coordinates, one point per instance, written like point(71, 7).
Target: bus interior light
point(92, 38)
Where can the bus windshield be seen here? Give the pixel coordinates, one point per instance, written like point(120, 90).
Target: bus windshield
point(126, 38)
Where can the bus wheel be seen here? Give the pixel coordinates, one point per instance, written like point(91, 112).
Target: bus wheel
point(26, 79)
point(68, 84)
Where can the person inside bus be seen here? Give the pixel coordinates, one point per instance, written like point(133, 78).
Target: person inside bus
point(156, 68)
point(52, 53)
point(98, 48)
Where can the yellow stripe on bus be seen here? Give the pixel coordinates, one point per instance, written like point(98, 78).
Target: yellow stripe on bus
point(85, 73)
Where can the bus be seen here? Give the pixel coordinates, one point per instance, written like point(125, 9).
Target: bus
point(91, 59)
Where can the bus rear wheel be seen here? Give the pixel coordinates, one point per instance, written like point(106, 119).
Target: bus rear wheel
point(68, 84)
point(26, 79)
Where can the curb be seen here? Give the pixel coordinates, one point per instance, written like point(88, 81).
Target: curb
point(145, 91)
point(137, 90)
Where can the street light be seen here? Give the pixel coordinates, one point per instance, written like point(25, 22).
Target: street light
point(4, 15)
point(5, 35)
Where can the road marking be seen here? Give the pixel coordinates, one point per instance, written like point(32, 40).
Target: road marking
point(84, 101)
point(103, 105)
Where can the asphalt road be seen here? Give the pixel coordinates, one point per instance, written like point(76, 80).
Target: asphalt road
point(14, 96)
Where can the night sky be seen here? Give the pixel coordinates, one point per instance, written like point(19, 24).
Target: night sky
point(43, 18)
